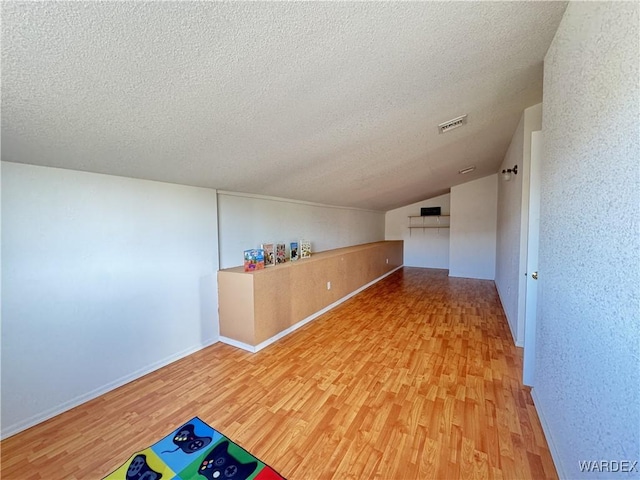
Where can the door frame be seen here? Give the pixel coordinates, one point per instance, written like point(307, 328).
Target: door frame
point(532, 284)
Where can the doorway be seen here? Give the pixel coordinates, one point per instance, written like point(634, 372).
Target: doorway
point(531, 295)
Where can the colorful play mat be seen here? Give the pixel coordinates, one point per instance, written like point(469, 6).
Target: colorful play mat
point(195, 451)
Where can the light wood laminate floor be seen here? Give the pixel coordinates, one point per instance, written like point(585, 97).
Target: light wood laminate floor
point(417, 377)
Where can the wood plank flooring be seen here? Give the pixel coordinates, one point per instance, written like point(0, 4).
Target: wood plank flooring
point(417, 377)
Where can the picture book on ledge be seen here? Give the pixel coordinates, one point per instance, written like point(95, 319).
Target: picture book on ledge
point(253, 260)
point(281, 253)
point(294, 251)
point(269, 255)
point(305, 249)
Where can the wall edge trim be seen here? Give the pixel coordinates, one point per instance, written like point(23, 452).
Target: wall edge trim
point(513, 335)
point(290, 200)
point(555, 454)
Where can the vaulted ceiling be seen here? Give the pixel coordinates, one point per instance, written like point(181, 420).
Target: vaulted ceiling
point(329, 102)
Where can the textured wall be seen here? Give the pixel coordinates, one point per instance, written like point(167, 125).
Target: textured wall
point(246, 221)
point(428, 248)
point(472, 241)
point(104, 279)
point(588, 340)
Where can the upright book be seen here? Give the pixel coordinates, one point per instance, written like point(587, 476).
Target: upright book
point(281, 253)
point(253, 260)
point(305, 248)
point(294, 251)
point(269, 255)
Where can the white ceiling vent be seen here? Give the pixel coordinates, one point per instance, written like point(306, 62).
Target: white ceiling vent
point(451, 124)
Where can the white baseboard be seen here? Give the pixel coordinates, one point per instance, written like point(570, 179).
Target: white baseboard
point(555, 454)
point(80, 399)
point(513, 334)
point(18, 427)
point(237, 344)
point(304, 321)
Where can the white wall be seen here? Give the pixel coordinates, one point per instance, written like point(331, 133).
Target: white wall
point(513, 216)
point(104, 279)
point(245, 221)
point(587, 377)
point(472, 244)
point(428, 248)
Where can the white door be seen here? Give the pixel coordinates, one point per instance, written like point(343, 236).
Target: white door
point(531, 296)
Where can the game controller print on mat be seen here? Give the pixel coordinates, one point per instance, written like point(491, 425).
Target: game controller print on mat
point(194, 451)
point(220, 464)
point(139, 469)
point(181, 448)
point(144, 465)
point(188, 441)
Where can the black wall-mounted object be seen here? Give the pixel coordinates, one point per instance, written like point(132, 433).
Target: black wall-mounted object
point(429, 211)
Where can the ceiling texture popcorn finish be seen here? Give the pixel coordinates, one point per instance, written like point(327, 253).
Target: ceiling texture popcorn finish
point(337, 102)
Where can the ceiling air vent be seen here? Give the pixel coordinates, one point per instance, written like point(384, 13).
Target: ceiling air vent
point(451, 124)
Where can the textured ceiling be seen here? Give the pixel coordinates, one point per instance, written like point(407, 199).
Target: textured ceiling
point(334, 102)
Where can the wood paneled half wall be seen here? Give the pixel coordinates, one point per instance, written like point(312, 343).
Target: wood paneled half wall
point(257, 308)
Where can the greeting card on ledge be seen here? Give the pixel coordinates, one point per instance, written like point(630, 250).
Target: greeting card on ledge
point(269, 255)
point(294, 251)
point(305, 248)
point(253, 260)
point(281, 253)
